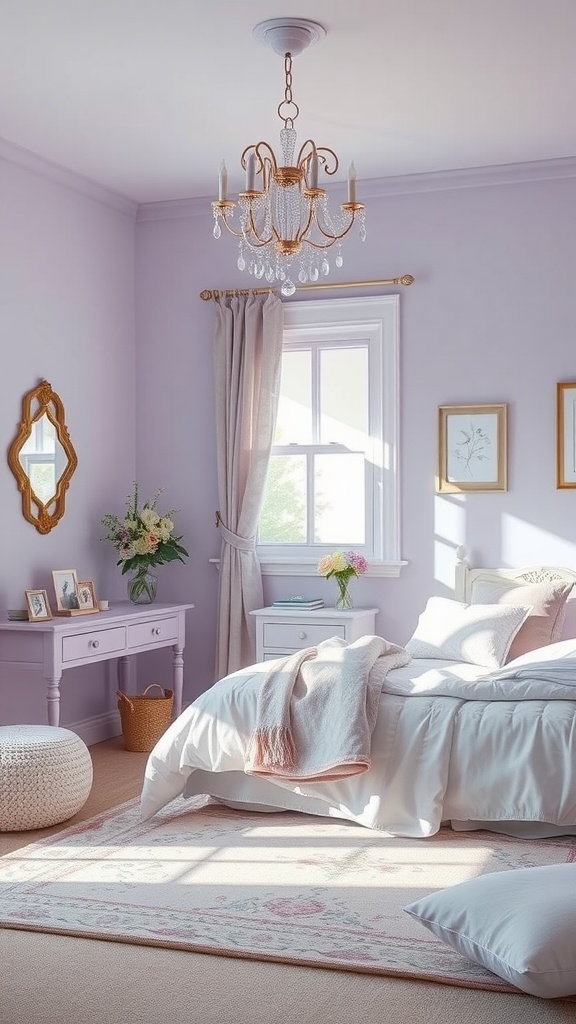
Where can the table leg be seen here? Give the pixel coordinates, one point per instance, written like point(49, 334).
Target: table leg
point(178, 678)
point(53, 699)
point(124, 673)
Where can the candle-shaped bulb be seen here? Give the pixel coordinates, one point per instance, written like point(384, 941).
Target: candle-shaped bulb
point(314, 172)
point(352, 184)
point(251, 173)
point(222, 183)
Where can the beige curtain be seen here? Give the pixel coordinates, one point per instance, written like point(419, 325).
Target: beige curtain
point(247, 363)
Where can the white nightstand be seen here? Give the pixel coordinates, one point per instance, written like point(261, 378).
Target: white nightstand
point(282, 631)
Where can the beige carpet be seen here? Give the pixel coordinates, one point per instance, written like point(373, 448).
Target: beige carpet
point(51, 979)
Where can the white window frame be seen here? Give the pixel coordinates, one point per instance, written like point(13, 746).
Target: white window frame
point(375, 318)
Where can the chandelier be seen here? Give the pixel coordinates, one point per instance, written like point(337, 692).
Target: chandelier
point(285, 226)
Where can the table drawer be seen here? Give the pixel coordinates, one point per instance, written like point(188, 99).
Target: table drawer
point(159, 631)
point(293, 636)
point(94, 644)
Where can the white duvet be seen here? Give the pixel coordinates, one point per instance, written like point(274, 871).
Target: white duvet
point(451, 743)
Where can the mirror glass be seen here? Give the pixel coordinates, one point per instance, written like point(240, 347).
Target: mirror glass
point(42, 457)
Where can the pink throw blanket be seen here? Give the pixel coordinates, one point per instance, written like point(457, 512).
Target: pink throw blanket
point(317, 710)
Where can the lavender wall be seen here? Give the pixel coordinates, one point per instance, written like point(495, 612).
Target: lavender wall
point(490, 318)
point(67, 301)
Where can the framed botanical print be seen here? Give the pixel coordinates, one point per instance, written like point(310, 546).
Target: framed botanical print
point(472, 452)
point(87, 596)
point(566, 435)
point(38, 606)
point(65, 589)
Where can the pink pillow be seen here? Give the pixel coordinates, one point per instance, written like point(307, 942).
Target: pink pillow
point(544, 624)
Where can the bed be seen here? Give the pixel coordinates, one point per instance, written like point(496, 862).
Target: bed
point(472, 724)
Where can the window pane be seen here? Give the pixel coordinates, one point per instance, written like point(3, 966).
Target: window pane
point(283, 518)
point(294, 421)
point(339, 499)
point(344, 397)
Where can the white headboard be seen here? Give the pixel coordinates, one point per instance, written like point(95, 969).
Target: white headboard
point(465, 577)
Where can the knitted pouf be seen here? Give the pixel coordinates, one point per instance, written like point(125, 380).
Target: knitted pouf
point(45, 776)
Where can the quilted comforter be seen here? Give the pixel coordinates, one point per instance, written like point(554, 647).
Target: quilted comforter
point(451, 742)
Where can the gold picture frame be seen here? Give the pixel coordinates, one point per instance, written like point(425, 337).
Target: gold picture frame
point(566, 434)
point(38, 605)
point(472, 448)
point(87, 596)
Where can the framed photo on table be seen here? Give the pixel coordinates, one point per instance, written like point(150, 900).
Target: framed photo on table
point(87, 596)
point(38, 606)
point(66, 589)
point(566, 435)
point(472, 452)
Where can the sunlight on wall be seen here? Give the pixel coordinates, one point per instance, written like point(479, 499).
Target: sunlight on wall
point(450, 532)
point(526, 544)
point(521, 543)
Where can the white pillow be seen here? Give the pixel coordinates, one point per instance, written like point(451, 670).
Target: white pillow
point(556, 662)
point(477, 633)
point(519, 924)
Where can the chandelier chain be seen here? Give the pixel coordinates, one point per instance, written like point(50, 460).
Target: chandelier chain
point(288, 100)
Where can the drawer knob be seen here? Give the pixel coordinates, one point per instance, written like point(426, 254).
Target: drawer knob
point(302, 635)
point(94, 643)
point(156, 631)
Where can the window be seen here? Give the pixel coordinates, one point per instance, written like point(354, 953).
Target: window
point(333, 473)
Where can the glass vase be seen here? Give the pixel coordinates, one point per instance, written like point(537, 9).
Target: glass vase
point(142, 586)
point(344, 599)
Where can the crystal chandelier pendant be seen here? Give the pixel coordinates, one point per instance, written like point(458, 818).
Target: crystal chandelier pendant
point(286, 227)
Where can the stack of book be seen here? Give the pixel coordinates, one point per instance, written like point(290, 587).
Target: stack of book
point(305, 603)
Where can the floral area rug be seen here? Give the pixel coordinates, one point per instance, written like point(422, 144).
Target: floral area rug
point(270, 886)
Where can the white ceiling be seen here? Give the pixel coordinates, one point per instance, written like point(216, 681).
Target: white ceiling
point(147, 97)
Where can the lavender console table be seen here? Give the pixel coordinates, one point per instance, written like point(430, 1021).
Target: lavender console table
point(61, 643)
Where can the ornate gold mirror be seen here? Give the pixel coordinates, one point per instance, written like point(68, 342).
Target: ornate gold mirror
point(42, 457)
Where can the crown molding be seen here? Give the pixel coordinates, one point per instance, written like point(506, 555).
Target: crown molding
point(170, 209)
point(44, 168)
point(471, 177)
point(404, 184)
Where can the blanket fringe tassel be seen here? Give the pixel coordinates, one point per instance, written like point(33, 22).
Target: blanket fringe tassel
point(273, 748)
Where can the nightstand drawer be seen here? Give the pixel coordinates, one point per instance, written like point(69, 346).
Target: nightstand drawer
point(95, 644)
point(296, 635)
point(156, 631)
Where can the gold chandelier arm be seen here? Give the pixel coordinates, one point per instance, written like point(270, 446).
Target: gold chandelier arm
point(307, 151)
point(266, 160)
point(330, 238)
point(221, 209)
point(256, 241)
point(323, 153)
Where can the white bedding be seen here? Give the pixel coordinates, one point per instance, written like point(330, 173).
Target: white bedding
point(452, 742)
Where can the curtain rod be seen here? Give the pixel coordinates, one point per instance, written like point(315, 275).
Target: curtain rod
point(214, 293)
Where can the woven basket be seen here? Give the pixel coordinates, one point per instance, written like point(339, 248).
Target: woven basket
point(143, 718)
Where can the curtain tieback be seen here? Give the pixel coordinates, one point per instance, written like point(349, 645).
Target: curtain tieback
point(234, 539)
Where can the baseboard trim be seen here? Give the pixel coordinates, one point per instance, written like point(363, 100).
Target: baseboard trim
point(98, 728)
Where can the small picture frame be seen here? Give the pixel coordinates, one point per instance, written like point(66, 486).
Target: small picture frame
point(471, 448)
point(566, 435)
point(66, 589)
point(38, 606)
point(87, 596)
